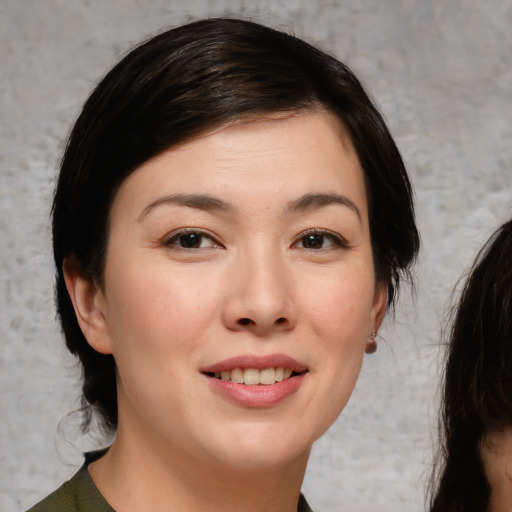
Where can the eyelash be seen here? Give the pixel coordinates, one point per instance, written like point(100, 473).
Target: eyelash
point(335, 239)
point(171, 239)
point(321, 235)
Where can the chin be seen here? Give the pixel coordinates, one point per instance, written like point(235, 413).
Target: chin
point(254, 449)
point(263, 460)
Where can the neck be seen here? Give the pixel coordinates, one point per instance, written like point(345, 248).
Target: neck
point(132, 477)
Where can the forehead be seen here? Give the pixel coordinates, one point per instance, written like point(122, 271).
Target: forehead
point(294, 123)
point(283, 156)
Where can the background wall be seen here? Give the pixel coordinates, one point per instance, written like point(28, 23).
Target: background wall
point(442, 73)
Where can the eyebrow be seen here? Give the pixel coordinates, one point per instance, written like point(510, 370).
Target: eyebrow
point(198, 201)
point(314, 201)
point(205, 202)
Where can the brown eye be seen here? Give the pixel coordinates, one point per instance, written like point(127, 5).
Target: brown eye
point(190, 240)
point(320, 240)
point(313, 241)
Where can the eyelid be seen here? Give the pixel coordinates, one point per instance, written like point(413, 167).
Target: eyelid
point(167, 240)
point(336, 238)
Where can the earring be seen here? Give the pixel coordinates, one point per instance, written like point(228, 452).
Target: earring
point(371, 345)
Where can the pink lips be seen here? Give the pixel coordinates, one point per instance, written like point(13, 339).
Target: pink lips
point(258, 362)
point(257, 396)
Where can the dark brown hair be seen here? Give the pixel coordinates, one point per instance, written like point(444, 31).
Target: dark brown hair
point(477, 384)
point(183, 83)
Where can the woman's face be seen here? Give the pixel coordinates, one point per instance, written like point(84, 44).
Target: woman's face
point(497, 459)
point(239, 292)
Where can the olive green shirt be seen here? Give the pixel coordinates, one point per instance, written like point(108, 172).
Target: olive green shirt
point(80, 494)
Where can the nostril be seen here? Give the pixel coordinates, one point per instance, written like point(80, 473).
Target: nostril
point(248, 322)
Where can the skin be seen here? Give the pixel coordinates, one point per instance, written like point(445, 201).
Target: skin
point(252, 285)
point(496, 454)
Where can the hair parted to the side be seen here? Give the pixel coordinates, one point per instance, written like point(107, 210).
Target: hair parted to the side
point(477, 383)
point(184, 83)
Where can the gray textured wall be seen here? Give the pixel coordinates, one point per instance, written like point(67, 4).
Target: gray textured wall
point(442, 73)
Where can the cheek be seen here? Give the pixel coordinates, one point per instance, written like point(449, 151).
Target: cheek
point(339, 313)
point(339, 309)
point(155, 323)
point(496, 456)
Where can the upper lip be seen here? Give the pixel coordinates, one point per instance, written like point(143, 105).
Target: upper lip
point(257, 362)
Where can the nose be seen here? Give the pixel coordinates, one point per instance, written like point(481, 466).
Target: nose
point(260, 297)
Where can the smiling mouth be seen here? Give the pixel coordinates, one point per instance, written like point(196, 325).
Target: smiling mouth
point(254, 376)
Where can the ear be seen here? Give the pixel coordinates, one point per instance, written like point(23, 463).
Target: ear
point(379, 305)
point(377, 314)
point(89, 304)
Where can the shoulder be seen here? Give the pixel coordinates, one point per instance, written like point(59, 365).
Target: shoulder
point(61, 499)
point(77, 494)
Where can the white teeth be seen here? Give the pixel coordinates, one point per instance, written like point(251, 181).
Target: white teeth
point(237, 375)
point(253, 376)
point(267, 376)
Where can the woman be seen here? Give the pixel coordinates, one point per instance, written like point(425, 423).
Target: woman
point(476, 467)
point(231, 221)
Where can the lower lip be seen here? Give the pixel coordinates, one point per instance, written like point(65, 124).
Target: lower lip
point(260, 395)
